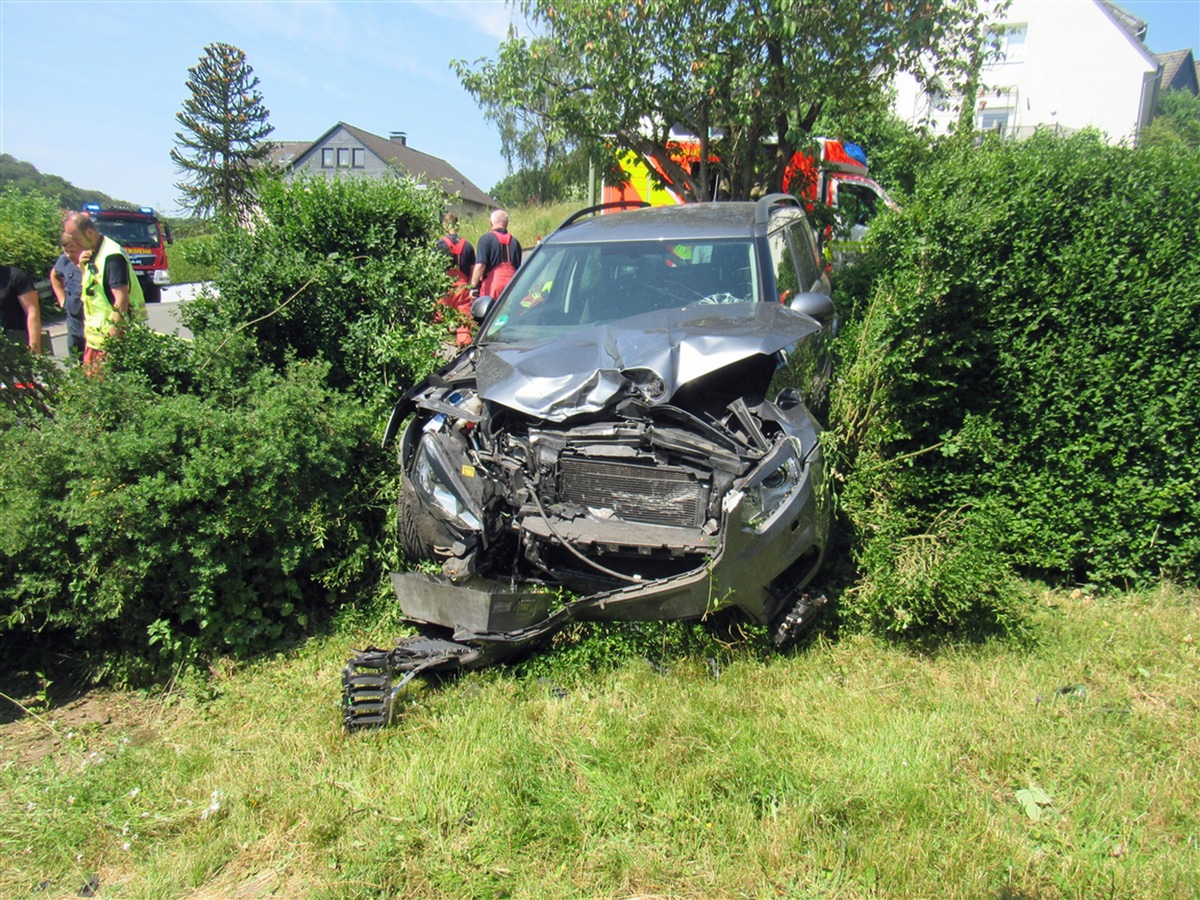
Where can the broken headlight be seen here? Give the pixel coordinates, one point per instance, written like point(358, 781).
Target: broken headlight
point(770, 491)
point(432, 480)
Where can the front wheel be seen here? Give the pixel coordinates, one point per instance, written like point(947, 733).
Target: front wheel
point(406, 527)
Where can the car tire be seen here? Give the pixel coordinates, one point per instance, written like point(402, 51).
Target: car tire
point(152, 293)
point(413, 547)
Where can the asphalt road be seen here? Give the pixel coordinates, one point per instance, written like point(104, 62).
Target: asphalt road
point(164, 317)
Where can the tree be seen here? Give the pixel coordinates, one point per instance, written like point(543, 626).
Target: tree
point(747, 78)
point(222, 146)
point(1176, 124)
point(564, 178)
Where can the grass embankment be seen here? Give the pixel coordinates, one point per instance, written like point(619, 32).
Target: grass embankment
point(187, 259)
point(529, 224)
point(848, 769)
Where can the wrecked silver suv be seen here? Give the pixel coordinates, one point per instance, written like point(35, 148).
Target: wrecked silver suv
point(635, 427)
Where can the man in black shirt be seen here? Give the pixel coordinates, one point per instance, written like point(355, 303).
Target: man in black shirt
point(22, 315)
point(497, 258)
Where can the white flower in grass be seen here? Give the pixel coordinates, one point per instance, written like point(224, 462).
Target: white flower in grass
point(214, 806)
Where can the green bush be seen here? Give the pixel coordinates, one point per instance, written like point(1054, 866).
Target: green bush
point(30, 226)
point(218, 496)
point(342, 269)
point(175, 527)
point(1030, 354)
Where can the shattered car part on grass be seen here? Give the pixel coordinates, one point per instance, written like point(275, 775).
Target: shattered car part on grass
point(635, 424)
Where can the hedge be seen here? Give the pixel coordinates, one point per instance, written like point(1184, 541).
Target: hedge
point(1026, 362)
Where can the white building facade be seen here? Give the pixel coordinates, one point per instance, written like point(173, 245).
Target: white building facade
point(1058, 64)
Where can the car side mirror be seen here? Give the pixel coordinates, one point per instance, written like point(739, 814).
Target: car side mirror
point(810, 303)
point(481, 306)
point(167, 233)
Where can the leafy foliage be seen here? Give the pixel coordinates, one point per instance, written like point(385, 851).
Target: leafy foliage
point(341, 269)
point(222, 495)
point(564, 178)
point(897, 154)
point(1177, 123)
point(192, 259)
point(222, 145)
point(1028, 360)
point(176, 526)
point(30, 226)
point(738, 75)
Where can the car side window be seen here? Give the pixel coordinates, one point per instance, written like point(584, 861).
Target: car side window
point(807, 255)
point(783, 264)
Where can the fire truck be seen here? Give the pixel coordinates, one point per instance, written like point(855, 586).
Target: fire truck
point(144, 238)
point(835, 176)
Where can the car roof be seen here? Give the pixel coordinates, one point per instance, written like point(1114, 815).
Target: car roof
point(691, 221)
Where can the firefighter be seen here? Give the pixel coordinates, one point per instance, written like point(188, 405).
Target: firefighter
point(498, 259)
point(110, 289)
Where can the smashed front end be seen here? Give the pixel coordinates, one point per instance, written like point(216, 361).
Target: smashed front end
point(660, 470)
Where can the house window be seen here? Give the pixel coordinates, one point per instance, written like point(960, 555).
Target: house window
point(995, 120)
point(360, 158)
point(327, 158)
point(1007, 43)
point(343, 157)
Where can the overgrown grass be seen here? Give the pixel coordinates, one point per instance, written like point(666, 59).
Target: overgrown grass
point(527, 223)
point(854, 768)
point(189, 259)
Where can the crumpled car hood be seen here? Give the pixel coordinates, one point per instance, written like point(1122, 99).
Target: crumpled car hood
point(581, 372)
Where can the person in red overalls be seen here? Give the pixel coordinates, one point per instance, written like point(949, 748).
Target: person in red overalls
point(497, 259)
point(462, 262)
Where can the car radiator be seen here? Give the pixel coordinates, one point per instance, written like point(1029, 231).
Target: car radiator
point(653, 495)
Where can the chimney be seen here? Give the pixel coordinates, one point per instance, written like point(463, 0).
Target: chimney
point(399, 137)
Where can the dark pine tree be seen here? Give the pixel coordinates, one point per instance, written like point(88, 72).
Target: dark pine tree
point(222, 145)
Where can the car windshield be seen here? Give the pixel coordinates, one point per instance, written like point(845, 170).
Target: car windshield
point(130, 232)
point(563, 287)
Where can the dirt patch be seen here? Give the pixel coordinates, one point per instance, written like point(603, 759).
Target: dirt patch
point(37, 719)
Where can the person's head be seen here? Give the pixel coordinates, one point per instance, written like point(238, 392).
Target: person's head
point(71, 248)
point(79, 232)
point(499, 218)
point(450, 223)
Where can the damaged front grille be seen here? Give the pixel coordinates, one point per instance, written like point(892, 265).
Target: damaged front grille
point(652, 495)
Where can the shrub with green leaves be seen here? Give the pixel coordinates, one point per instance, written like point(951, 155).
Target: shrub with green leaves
point(342, 269)
point(218, 496)
point(30, 226)
point(1030, 359)
point(162, 528)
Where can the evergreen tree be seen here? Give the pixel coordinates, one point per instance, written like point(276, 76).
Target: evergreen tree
point(222, 146)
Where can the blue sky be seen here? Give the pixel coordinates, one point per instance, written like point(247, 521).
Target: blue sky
point(1170, 24)
point(74, 105)
point(103, 118)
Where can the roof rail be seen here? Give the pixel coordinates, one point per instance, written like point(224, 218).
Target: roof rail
point(601, 207)
point(763, 208)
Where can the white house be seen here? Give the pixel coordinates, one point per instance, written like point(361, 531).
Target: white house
point(1065, 64)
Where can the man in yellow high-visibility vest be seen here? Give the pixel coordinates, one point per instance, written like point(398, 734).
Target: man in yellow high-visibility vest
point(111, 292)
